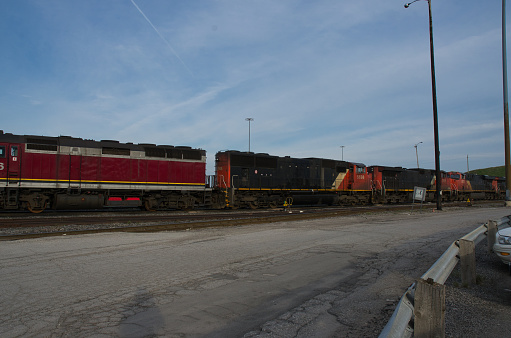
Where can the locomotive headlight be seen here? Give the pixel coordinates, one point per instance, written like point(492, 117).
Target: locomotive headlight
point(504, 239)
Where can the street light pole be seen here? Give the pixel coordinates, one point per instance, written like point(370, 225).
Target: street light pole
point(417, 153)
point(435, 112)
point(249, 119)
point(506, 108)
point(342, 153)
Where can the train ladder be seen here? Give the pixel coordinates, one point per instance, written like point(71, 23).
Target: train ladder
point(454, 188)
point(375, 189)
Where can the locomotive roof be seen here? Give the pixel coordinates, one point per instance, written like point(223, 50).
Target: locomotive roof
point(79, 142)
point(360, 165)
point(239, 158)
point(246, 153)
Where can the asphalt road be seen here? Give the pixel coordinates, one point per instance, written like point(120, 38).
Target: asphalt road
point(329, 277)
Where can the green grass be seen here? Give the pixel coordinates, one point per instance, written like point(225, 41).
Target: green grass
point(493, 171)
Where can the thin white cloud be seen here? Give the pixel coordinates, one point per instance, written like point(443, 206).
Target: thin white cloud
point(162, 37)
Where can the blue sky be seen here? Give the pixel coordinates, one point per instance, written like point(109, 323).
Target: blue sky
point(314, 75)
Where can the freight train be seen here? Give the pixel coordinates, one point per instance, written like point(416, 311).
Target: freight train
point(39, 172)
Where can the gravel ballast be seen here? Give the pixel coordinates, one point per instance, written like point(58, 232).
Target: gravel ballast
point(484, 309)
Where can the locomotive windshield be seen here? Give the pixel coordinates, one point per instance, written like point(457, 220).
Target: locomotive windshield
point(2, 152)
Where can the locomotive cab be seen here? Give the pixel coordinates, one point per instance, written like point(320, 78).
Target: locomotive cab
point(359, 178)
point(10, 156)
point(458, 181)
point(10, 159)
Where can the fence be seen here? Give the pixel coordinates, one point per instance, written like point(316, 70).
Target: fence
point(421, 309)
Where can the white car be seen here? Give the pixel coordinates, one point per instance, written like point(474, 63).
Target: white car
point(502, 246)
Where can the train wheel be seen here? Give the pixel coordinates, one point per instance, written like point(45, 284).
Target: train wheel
point(273, 204)
point(253, 205)
point(183, 205)
point(35, 210)
point(148, 206)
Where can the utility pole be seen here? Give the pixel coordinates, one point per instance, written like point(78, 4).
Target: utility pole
point(249, 119)
point(435, 112)
point(506, 107)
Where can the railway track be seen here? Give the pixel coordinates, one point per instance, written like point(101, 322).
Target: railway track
point(23, 226)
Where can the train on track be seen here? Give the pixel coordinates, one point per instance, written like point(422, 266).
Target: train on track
point(39, 172)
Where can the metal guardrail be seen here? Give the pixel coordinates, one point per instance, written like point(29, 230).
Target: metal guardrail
point(400, 324)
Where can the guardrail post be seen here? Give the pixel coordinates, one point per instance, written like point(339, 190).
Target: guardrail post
point(429, 309)
point(492, 231)
point(467, 262)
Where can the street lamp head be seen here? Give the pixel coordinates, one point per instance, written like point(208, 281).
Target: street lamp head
point(408, 4)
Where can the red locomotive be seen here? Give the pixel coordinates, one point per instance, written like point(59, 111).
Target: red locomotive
point(65, 172)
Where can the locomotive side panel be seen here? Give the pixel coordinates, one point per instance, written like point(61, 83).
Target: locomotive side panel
point(75, 171)
point(417, 178)
point(138, 170)
point(40, 168)
point(90, 170)
point(478, 182)
point(164, 175)
point(199, 173)
point(178, 172)
point(62, 175)
point(114, 171)
point(187, 173)
point(385, 177)
point(152, 172)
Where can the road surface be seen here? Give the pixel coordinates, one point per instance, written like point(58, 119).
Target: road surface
point(327, 277)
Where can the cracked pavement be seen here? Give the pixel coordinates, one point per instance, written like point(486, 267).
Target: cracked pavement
point(334, 277)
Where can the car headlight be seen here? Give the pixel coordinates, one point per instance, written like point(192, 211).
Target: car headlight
point(504, 239)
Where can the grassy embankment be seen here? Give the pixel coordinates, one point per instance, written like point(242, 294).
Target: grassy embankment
point(494, 171)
